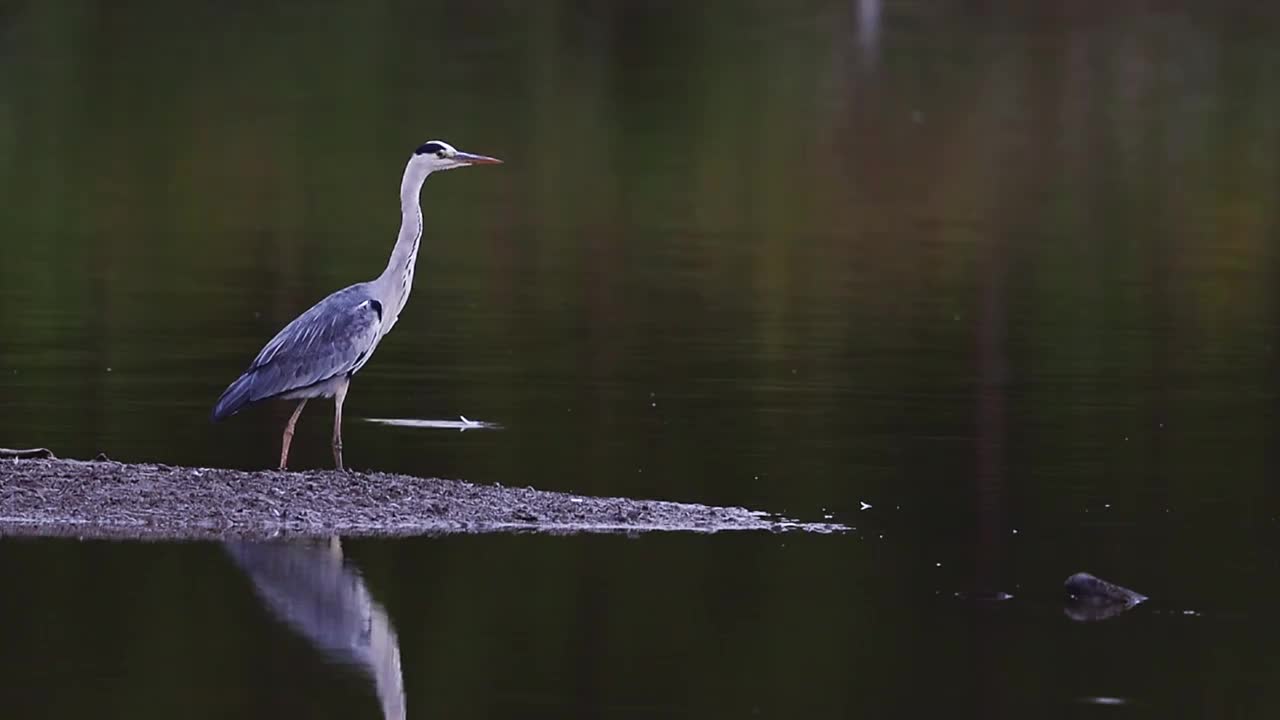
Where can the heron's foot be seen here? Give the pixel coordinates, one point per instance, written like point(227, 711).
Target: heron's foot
point(337, 457)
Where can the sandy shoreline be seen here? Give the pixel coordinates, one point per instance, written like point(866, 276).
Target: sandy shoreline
point(51, 497)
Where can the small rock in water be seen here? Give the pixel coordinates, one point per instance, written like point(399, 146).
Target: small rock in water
point(1091, 598)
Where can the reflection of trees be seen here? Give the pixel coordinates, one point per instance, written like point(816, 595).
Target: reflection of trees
point(766, 178)
point(958, 223)
point(308, 586)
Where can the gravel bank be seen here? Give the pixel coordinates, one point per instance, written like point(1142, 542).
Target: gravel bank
point(120, 500)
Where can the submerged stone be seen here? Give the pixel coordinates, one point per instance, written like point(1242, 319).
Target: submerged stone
point(1091, 598)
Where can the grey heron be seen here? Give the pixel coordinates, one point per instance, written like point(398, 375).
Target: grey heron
point(316, 354)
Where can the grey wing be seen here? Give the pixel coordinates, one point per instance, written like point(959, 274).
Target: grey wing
point(334, 337)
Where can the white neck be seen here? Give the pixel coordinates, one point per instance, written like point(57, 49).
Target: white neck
point(396, 280)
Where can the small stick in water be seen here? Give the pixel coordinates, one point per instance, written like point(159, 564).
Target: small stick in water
point(27, 454)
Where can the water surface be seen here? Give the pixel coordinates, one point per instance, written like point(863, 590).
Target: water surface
point(1005, 274)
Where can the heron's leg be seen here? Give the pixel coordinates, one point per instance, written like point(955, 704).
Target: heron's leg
point(338, 396)
point(288, 434)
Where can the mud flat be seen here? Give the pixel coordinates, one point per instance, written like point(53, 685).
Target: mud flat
point(104, 499)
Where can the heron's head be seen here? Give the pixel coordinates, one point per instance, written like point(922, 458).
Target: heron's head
point(440, 155)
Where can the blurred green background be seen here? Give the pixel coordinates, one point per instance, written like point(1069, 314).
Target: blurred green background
point(989, 266)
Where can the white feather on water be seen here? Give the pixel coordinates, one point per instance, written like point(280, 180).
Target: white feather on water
point(461, 425)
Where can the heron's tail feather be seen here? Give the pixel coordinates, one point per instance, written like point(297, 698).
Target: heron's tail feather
point(236, 396)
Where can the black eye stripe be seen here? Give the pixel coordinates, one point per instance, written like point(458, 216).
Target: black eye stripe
point(431, 147)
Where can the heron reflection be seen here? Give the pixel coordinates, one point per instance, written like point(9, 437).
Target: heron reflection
point(309, 586)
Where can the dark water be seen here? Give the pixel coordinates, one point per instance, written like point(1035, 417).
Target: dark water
point(1006, 274)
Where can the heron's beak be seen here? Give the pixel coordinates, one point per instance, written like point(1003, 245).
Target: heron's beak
point(469, 159)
